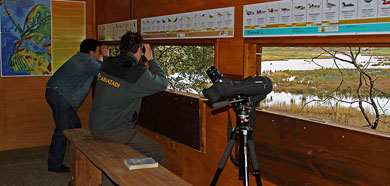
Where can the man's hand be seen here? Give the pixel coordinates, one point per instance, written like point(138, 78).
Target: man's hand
point(148, 52)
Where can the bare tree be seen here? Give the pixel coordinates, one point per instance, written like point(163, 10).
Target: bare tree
point(365, 91)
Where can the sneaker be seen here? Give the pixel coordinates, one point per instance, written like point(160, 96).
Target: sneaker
point(62, 168)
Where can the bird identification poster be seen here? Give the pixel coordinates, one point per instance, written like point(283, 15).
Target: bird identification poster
point(214, 23)
point(316, 17)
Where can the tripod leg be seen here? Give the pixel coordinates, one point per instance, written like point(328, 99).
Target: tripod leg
point(224, 158)
point(244, 163)
point(255, 165)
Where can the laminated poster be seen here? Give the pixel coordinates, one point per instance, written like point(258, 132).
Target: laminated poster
point(316, 17)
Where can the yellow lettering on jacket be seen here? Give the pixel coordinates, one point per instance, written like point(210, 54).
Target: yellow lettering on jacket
point(108, 81)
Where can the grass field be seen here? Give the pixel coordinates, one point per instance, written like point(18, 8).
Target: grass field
point(321, 82)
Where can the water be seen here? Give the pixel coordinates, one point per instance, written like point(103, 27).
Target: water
point(308, 64)
point(283, 98)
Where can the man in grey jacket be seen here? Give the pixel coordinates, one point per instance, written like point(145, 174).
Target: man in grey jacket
point(66, 90)
point(122, 82)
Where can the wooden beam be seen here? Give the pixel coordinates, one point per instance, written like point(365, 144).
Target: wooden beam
point(83, 172)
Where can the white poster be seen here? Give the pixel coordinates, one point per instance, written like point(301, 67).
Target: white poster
point(203, 20)
point(219, 13)
point(158, 24)
point(211, 19)
point(214, 23)
point(175, 22)
point(314, 12)
point(299, 11)
point(228, 18)
point(196, 21)
point(261, 15)
point(249, 15)
point(285, 14)
point(169, 23)
point(330, 11)
point(384, 9)
point(273, 13)
point(153, 25)
point(188, 21)
point(368, 9)
point(348, 9)
point(164, 24)
point(180, 22)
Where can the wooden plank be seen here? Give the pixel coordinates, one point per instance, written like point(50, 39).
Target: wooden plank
point(250, 67)
point(109, 157)
point(337, 154)
point(83, 172)
point(178, 120)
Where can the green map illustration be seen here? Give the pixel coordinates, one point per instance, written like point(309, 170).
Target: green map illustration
point(26, 37)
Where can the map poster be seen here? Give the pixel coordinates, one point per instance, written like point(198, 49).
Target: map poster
point(68, 30)
point(26, 38)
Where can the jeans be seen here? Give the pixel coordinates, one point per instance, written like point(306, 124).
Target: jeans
point(65, 117)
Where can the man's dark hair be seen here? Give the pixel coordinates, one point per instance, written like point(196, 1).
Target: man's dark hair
point(130, 42)
point(88, 45)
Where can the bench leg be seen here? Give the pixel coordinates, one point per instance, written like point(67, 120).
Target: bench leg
point(82, 171)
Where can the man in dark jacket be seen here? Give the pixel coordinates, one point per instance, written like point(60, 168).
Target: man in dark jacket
point(66, 90)
point(121, 84)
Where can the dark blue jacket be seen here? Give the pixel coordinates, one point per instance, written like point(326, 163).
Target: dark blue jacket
point(73, 79)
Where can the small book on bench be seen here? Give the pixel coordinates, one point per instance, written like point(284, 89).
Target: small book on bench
point(140, 163)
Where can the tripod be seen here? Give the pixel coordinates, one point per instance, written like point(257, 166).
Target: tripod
point(245, 134)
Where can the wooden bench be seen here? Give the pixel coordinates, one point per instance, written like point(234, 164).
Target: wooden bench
point(89, 157)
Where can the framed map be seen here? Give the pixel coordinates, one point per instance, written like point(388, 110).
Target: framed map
point(26, 37)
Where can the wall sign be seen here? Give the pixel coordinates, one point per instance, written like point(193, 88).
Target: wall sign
point(214, 23)
point(317, 17)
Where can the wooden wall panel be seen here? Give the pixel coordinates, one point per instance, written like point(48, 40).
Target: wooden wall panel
point(320, 154)
point(108, 11)
point(184, 128)
point(199, 168)
point(25, 117)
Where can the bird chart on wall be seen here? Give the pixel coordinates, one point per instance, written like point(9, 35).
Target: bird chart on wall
point(114, 31)
point(214, 23)
point(316, 17)
point(25, 37)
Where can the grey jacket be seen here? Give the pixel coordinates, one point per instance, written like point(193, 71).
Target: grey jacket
point(120, 86)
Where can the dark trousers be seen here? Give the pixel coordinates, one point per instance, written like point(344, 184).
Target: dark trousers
point(65, 117)
point(137, 141)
